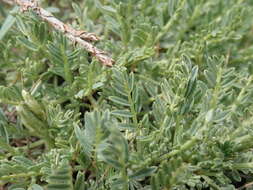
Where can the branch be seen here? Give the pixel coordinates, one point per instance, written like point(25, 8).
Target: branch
point(77, 36)
point(10, 2)
point(245, 186)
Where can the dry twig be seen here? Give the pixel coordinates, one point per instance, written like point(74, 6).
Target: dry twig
point(245, 186)
point(10, 2)
point(77, 36)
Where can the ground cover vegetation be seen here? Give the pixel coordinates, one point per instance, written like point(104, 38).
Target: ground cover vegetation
point(174, 111)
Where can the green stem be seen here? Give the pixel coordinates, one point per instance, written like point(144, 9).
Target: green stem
point(211, 182)
point(5, 101)
point(170, 23)
point(27, 147)
point(177, 129)
point(92, 101)
point(196, 14)
point(148, 79)
point(124, 176)
point(60, 100)
point(21, 175)
point(240, 96)
point(184, 147)
point(234, 107)
point(33, 145)
point(68, 73)
point(132, 108)
point(243, 143)
point(240, 129)
point(7, 147)
point(50, 143)
point(241, 166)
point(216, 89)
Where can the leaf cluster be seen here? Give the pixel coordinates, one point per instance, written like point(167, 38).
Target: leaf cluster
point(175, 112)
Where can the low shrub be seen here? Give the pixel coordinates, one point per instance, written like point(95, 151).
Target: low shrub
point(173, 112)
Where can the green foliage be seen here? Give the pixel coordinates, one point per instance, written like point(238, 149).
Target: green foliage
point(174, 112)
point(60, 177)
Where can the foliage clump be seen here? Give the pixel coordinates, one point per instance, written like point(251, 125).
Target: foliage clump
point(174, 112)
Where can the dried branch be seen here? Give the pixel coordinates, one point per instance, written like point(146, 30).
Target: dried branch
point(77, 36)
point(10, 2)
point(245, 186)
